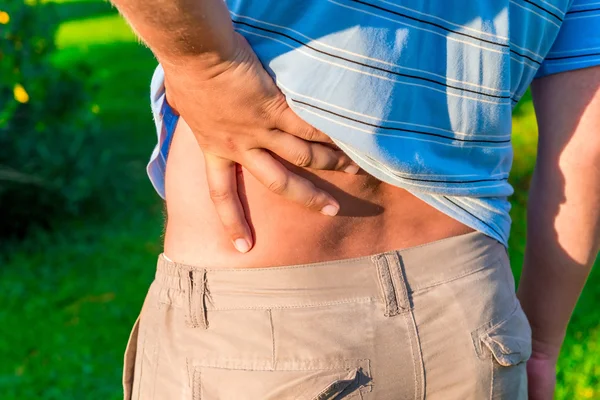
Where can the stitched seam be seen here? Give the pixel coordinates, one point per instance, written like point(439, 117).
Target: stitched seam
point(421, 393)
point(418, 288)
point(329, 303)
point(381, 285)
point(319, 395)
point(393, 283)
point(168, 303)
point(293, 306)
point(381, 278)
point(266, 269)
point(322, 304)
point(466, 273)
point(189, 373)
point(272, 339)
point(197, 389)
point(476, 339)
point(386, 311)
point(491, 363)
point(345, 365)
point(193, 298)
point(202, 298)
point(483, 329)
point(189, 297)
point(201, 394)
point(132, 347)
point(412, 353)
point(391, 297)
point(140, 366)
point(401, 281)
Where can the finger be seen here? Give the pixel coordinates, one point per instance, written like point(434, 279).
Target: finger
point(309, 154)
point(222, 184)
point(290, 122)
point(283, 182)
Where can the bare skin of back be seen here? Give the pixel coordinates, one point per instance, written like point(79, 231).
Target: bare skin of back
point(374, 217)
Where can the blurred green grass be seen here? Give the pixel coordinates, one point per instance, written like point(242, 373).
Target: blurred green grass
point(71, 295)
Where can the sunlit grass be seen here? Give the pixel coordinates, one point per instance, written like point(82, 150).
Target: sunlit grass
point(108, 29)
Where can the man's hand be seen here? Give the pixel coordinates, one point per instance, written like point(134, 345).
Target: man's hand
point(238, 115)
point(541, 378)
point(541, 371)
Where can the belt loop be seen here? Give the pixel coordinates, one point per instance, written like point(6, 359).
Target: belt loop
point(399, 279)
point(195, 299)
point(387, 286)
point(393, 283)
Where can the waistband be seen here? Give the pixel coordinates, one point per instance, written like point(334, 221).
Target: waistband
point(363, 279)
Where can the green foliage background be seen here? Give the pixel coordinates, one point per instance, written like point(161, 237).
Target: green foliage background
point(46, 124)
point(70, 292)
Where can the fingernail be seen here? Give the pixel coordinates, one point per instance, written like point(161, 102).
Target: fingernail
point(352, 169)
point(330, 210)
point(242, 245)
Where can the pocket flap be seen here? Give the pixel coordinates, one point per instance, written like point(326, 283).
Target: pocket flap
point(336, 388)
point(510, 341)
point(349, 381)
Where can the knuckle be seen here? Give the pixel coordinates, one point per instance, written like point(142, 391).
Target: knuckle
point(313, 201)
point(278, 186)
point(310, 133)
point(304, 157)
point(330, 161)
point(275, 106)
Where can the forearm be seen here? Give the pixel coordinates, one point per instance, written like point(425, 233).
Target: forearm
point(562, 243)
point(176, 30)
point(563, 219)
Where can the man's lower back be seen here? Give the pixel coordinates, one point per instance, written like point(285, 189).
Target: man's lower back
point(375, 217)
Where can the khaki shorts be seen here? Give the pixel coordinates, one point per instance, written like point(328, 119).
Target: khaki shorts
point(439, 321)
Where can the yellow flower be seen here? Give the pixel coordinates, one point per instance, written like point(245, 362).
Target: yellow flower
point(20, 93)
point(588, 393)
point(4, 17)
point(95, 108)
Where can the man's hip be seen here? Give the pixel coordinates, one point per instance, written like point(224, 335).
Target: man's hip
point(440, 320)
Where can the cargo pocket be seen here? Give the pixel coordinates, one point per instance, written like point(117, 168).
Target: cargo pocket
point(141, 355)
point(129, 360)
point(507, 345)
point(211, 383)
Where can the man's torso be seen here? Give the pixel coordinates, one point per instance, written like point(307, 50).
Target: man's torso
point(420, 94)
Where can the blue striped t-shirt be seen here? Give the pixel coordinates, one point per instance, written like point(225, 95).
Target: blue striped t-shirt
point(419, 93)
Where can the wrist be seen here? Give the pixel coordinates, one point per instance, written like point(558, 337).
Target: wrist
point(203, 65)
point(543, 350)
